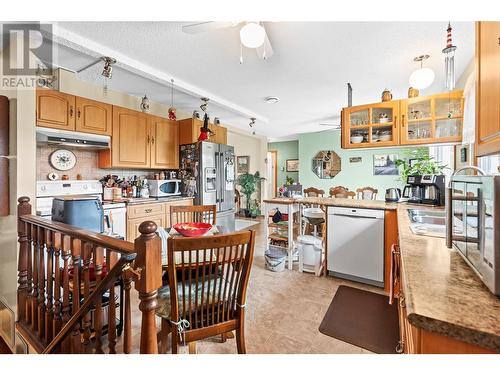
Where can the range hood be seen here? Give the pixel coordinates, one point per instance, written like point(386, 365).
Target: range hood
point(56, 137)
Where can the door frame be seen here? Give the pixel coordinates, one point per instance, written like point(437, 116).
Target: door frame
point(274, 160)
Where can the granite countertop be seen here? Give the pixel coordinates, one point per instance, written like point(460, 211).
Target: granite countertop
point(338, 202)
point(137, 201)
point(442, 293)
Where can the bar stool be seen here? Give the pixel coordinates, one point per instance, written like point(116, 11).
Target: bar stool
point(313, 216)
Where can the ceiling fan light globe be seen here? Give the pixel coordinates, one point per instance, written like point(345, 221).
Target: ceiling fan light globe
point(422, 78)
point(252, 35)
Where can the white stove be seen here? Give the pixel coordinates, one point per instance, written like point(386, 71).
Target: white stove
point(114, 213)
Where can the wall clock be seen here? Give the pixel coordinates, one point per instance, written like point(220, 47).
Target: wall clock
point(62, 160)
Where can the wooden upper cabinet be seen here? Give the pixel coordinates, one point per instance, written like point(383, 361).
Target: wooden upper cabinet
point(130, 141)
point(164, 135)
point(371, 125)
point(487, 88)
point(93, 117)
point(55, 109)
point(189, 130)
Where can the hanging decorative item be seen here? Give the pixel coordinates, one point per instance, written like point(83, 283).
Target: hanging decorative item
point(422, 77)
point(205, 132)
point(145, 104)
point(171, 111)
point(196, 114)
point(386, 96)
point(449, 61)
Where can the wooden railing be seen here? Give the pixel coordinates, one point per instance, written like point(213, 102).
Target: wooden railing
point(65, 277)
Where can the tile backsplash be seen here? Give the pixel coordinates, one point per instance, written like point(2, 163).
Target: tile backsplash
point(86, 165)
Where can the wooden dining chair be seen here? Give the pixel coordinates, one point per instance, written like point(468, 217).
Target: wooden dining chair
point(206, 295)
point(367, 193)
point(201, 213)
point(341, 192)
point(313, 192)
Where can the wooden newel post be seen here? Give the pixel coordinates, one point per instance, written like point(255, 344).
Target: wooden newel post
point(23, 208)
point(148, 247)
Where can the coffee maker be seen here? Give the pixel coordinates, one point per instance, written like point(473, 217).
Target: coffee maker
point(425, 189)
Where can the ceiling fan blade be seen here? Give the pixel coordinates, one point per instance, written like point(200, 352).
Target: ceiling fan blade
point(265, 51)
point(202, 27)
point(334, 126)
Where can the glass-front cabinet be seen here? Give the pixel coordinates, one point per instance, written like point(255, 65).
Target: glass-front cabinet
point(422, 120)
point(371, 125)
point(432, 119)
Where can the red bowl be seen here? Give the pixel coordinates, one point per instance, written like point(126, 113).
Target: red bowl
point(192, 229)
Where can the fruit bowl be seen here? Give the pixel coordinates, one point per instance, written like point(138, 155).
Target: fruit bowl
point(192, 229)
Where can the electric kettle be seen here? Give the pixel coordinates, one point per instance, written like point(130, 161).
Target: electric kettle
point(392, 195)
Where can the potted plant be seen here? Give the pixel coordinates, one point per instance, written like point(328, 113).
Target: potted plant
point(248, 184)
point(418, 162)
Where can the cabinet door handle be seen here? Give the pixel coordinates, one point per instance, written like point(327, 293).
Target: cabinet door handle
point(152, 140)
point(148, 138)
point(70, 111)
point(400, 347)
point(402, 121)
point(78, 113)
point(148, 210)
point(395, 121)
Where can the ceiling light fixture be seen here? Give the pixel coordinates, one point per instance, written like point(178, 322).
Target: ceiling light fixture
point(271, 99)
point(423, 77)
point(145, 104)
point(252, 35)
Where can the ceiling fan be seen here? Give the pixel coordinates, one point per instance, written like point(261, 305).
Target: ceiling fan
point(252, 34)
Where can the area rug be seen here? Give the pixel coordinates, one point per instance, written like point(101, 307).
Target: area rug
point(241, 224)
point(363, 319)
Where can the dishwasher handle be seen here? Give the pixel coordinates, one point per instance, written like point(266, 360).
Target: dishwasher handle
point(359, 216)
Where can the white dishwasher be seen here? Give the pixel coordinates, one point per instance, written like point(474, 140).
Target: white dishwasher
point(356, 244)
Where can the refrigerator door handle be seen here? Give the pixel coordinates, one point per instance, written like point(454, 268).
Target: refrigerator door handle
point(217, 199)
point(223, 176)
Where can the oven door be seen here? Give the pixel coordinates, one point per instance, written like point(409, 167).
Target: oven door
point(458, 207)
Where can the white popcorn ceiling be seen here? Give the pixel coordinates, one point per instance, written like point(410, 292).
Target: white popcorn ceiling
point(311, 65)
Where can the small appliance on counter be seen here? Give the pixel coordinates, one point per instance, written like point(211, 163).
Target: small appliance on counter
point(83, 211)
point(473, 224)
point(164, 188)
point(428, 189)
point(392, 195)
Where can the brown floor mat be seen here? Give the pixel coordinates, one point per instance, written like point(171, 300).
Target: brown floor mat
point(363, 319)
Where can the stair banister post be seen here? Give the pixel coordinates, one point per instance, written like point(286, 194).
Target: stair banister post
point(23, 208)
point(148, 265)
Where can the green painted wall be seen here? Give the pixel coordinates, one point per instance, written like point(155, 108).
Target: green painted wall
point(352, 175)
point(286, 150)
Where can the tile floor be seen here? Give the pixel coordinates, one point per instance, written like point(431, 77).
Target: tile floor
point(284, 311)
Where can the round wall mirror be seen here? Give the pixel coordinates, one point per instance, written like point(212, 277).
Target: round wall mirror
point(326, 164)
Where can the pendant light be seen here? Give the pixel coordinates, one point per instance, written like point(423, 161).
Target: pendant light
point(423, 77)
point(449, 61)
point(252, 35)
point(172, 110)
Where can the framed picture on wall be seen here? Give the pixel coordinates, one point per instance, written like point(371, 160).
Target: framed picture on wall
point(385, 165)
point(242, 164)
point(292, 165)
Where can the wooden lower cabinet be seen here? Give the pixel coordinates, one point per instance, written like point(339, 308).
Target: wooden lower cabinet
point(157, 212)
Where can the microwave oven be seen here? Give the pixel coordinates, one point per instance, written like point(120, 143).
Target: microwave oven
point(473, 225)
point(164, 188)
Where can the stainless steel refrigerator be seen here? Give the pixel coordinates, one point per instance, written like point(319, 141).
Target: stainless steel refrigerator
point(207, 172)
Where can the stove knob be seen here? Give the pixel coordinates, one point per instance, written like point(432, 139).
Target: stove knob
point(43, 188)
point(85, 187)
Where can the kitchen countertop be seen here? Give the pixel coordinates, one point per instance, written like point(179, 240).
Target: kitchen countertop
point(338, 202)
point(137, 201)
point(442, 293)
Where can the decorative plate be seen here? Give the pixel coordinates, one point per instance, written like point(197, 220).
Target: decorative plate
point(62, 160)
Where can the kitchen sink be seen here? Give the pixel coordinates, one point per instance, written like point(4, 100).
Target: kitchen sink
point(427, 223)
